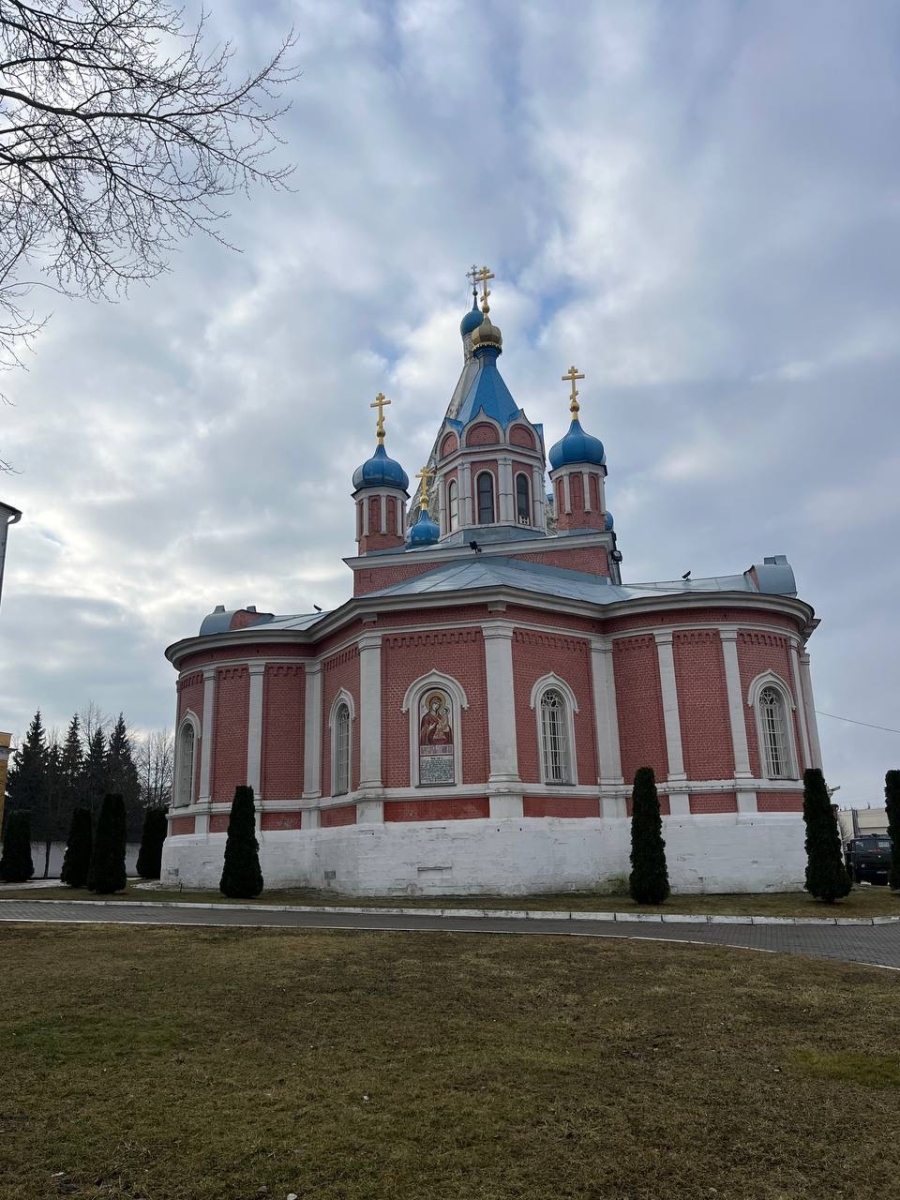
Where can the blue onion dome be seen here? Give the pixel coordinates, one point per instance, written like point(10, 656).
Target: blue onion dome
point(577, 447)
point(425, 532)
point(609, 523)
point(471, 320)
point(380, 471)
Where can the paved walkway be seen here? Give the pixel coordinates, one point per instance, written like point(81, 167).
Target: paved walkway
point(878, 945)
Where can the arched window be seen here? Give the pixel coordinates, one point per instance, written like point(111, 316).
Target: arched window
point(341, 736)
point(184, 790)
point(453, 504)
point(485, 490)
point(556, 756)
point(523, 500)
point(775, 741)
point(435, 703)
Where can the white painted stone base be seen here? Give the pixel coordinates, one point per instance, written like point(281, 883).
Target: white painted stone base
point(710, 853)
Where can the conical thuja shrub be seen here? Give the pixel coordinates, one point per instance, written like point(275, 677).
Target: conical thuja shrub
point(241, 875)
point(649, 879)
point(149, 863)
point(826, 875)
point(107, 870)
point(77, 862)
point(16, 865)
point(892, 804)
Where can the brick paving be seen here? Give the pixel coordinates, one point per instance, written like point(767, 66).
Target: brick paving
point(877, 945)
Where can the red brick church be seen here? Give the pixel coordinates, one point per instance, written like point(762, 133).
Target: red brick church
point(472, 718)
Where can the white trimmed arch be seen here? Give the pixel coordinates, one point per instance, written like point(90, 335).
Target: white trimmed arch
point(341, 743)
point(185, 766)
point(459, 701)
point(568, 767)
point(774, 728)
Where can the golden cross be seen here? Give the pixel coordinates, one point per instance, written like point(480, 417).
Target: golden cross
point(482, 277)
point(381, 404)
point(426, 475)
point(570, 376)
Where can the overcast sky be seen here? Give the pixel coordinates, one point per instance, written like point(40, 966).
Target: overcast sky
point(696, 203)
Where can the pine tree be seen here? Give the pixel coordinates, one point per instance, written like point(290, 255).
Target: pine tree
point(241, 875)
point(26, 784)
point(77, 861)
point(15, 862)
point(649, 879)
point(826, 875)
point(70, 771)
point(51, 829)
point(149, 863)
point(92, 785)
point(122, 776)
point(892, 804)
point(107, 869)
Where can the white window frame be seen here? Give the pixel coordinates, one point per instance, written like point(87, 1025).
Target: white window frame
point(459, 702)
point(769, 679)
point(342, 698)
point(553, 683)
point(453, 505)
point(529, 519)
point(191, 721)
point(478, 476)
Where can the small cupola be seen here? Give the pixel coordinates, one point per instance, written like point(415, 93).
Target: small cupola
point(380, 489)
point(578, 471)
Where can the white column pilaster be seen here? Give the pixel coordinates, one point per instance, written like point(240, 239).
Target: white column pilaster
point(312, 731)
point(538, 499)
point(465, 495)
point(809, 704)
point(567, 493)
point(800, 704)
point(586, 485)
point(605, 711)
point(736, 717)
point(671, 715)
point(370, 711)
point(255, 726)
point(206, 734)
point(502, 741)
point(507, 509)
point(384, 528)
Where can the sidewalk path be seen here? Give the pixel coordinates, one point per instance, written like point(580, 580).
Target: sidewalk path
point(878, 945)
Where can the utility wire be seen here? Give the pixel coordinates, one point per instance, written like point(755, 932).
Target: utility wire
point(850, 721)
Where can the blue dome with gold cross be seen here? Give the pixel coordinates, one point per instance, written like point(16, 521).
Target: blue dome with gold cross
point(380, 471)
point(425, 532)
point(577, 447)
point(472, 319)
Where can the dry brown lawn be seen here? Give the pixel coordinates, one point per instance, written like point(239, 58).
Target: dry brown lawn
point(205, 1065)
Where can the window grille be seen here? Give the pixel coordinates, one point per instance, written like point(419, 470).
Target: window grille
point(186, 765)
point(555, 738)
point(485, 498)
point(771, 708)
point(453, 504)
point(523, 500)
point(341, 751)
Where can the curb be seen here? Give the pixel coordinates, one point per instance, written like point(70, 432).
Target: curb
point(517, 914)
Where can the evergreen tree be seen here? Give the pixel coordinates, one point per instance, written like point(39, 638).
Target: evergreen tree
point(26, 783)
point(51, 826)
point(77, 861)
point(122, 776)
point(241, 876)
point(149, 863)
point(92, 783)
point(70, 771)
point(892, 804)
point(15, 862)
point(107, 869)
point(826, 875)
point(649, 879)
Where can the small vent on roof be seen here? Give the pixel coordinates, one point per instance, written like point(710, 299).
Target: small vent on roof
point(250, 608)
point(219, 608)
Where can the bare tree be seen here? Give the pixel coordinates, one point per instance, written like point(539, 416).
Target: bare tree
point(91, 717)
point(120, 132)
point(155, 760)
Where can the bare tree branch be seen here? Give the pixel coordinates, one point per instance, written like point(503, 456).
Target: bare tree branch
point(120, 133)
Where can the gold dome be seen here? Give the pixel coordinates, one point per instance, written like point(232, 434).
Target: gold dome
point(487, 334)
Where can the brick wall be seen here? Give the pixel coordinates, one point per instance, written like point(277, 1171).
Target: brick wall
point(283, 732)
point(642, 736)
point(592, 560)
point(538, 654)
point(232, 708)
point(458, 653)
point(447, 809)
point(333, 817)
point(703, 704)
point(779, 801)
point(720, 802)
point(181, 825)
point(561, 806)
point(280, 820)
